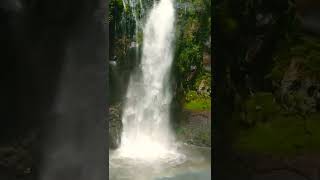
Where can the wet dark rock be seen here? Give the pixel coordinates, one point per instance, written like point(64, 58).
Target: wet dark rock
point(196, 130)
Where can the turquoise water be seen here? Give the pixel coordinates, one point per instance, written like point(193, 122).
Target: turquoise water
point(196, 165)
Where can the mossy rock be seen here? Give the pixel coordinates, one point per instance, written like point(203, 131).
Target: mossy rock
point(203, 84)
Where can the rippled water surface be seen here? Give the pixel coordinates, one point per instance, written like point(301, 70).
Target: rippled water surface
point(193, 163)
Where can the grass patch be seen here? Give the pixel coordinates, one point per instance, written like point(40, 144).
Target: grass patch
point(282, 136)
point(201, 104)
point(197, 102)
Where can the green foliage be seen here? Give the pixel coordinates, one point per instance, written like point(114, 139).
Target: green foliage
point(191, 96)
point(115, 4)
point(193, 30)
point(189, 56)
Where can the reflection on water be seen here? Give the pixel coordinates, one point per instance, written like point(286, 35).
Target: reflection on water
point(195, 165)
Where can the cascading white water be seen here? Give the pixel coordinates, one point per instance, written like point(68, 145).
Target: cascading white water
point(146, 130)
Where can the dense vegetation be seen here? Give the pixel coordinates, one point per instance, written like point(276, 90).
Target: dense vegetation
point(193, 54)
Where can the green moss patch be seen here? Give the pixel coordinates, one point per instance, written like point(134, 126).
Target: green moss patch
point(197, 102)
point(201, 104)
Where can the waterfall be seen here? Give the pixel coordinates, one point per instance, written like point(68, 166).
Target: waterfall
point(146, 127)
